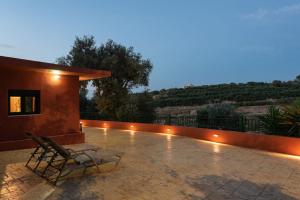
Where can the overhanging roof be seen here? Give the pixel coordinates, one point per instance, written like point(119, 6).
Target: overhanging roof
point(29, 65)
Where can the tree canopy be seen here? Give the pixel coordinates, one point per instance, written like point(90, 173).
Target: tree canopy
point(129, 70)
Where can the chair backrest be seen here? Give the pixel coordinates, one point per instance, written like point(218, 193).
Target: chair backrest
point(37, 140)
point(57, 147)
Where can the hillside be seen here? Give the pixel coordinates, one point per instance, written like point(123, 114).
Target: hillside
point(242, 95)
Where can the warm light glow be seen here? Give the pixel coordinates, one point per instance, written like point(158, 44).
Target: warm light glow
point(56, 74)
point(15, 104)
point(281, 155)
point(215, 135)
point(169, 137)
point(132, 133)
point(169, 146)
point(131, 126)
point(216, 148)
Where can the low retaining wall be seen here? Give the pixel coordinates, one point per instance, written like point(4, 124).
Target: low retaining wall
point(279, 144)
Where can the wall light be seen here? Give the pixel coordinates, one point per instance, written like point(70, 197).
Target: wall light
point(215, 135)
point(131, 126)
point(56, 74)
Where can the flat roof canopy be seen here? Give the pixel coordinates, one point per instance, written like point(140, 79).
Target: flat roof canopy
point(29, 65)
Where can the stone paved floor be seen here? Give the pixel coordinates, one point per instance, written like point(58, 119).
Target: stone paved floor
point(158, 166)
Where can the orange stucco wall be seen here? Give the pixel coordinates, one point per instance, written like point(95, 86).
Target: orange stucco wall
point(59, 106)
point(279, 144)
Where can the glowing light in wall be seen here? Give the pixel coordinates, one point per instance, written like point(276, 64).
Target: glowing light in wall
point(216, 135)
point(168, 131)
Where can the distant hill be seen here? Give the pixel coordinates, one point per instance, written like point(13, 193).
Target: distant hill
point(240, 94)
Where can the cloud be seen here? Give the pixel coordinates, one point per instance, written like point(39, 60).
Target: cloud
point(264, 13)
point(6, 46)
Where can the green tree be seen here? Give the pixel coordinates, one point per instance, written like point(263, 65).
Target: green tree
point(145, 107)
point(297, 79)
point(83, 100)
point(218, 111)
point(82, 54)
point(129, 70)
point(139, 108)
point(221, 116)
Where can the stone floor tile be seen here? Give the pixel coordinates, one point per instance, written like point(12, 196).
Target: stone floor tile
point(157, 166)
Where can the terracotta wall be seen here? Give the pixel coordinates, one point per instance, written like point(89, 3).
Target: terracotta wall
point(271, 143)
point(59, 105)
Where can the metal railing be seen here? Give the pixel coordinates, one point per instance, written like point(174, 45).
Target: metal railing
point(231, 123)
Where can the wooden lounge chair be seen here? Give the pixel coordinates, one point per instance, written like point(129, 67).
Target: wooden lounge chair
point(42, 152)
point(65, 161)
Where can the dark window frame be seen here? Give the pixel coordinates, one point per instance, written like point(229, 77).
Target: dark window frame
point(23, 94)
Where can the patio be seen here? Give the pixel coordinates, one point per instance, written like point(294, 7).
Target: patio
point(160, 166)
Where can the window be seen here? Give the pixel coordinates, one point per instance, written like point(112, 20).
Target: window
point(23, 102)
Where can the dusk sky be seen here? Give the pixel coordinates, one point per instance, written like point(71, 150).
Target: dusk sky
point(189, 42)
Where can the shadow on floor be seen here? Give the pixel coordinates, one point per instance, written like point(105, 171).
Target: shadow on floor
point(220, 187)
point(75, 188)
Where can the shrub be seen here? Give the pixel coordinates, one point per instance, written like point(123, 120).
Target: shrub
point(291, 117)
point(272, 120)
point(221, 116)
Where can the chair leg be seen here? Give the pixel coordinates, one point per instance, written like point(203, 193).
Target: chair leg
point(60, 171)
point(84, 170)
point(32, 156)
point(49, 163)
point(117, 163)
point(40, 159)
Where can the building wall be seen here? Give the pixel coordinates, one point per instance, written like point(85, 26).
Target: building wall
point(59, 105)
